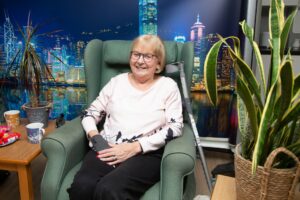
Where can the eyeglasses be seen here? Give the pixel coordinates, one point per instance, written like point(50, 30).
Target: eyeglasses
point(147, 57)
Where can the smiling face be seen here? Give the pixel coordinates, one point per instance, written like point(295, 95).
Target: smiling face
point(147, 57)
point(142, 67)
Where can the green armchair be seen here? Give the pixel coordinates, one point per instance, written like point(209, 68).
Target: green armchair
point(67, 145)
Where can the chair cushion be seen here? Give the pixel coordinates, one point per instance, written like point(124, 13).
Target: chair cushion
point(118, 51)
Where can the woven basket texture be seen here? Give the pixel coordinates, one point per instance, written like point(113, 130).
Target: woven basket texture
point(268, 183)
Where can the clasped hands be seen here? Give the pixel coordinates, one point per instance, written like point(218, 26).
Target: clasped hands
point(118, 153)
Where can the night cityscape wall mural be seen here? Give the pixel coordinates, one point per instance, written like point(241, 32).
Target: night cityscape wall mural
point(68, 25)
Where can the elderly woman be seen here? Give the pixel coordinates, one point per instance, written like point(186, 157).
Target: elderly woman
point(142, 112)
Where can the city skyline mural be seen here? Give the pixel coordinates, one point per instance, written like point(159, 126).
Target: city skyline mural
point(68, 25)
point(71, 24)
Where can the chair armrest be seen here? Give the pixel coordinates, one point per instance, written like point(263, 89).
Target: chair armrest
point(64, 148)
point(178, 161)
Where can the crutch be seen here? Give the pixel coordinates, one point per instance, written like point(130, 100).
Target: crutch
point(174, 68)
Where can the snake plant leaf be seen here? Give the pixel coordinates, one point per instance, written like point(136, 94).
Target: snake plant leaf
point(285, 31)
point(264, 125)
point(236, 43)
point(287, 82)
point(210, 72)
point(280, 10)
point(236, 46)
point(292, 114)
point(296, 88)
point(274, 19)
point(274, 29)
point(248, 32)
point(244, 128)
point(249, 77)
point(245, 94)
point(295, 148)
point(245, 70)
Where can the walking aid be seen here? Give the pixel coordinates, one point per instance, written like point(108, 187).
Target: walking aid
point(173, 68)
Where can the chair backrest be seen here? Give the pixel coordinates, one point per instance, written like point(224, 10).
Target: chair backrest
point(105, 59)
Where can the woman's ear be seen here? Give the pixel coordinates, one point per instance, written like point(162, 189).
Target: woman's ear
point(158, 69)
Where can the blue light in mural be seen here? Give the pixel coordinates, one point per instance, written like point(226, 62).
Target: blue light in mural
point(148, 17)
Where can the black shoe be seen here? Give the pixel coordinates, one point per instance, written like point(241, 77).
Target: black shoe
point(224, 169)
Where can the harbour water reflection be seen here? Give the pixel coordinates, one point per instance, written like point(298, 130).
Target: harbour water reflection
point(220, 121)
point(67, 100)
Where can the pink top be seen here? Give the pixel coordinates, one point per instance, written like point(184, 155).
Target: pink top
point(151, 117)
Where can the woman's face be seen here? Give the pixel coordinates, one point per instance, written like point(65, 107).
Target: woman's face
point(143, 62)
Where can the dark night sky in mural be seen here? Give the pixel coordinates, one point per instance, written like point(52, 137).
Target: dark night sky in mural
point(83, 20)
point(93, 18)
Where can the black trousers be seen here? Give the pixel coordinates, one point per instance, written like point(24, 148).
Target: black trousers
point(128, 181)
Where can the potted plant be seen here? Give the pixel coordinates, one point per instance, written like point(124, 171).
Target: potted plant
point(32, 71)
point(268, 110)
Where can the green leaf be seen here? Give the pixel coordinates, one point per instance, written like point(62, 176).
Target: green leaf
point(248, 76)
point(287, 82)
point(263, 127)
point(274, 14)
point(285, 31)
point(210, 71)
point(274, 25)
point(248, 32)
point(244, 127)
point(244, 92)
point(296, 88)
point(292, 114)
point(280, 10)
point(245, 71)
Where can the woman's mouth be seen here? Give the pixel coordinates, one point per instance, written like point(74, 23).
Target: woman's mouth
point(142, 67)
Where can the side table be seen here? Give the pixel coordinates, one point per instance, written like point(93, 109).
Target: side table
point(224, 188)
point(18, 157)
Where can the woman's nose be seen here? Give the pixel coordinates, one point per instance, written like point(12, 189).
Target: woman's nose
point(141, 59)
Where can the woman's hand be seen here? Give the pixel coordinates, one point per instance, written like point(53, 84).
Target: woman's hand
point(119, 152)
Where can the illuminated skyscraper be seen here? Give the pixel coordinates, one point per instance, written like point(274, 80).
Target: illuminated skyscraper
point(200, 50)
point(197, 30)
point(9, 40)
point(148, 17)
point(2, 53)
point(80, 45)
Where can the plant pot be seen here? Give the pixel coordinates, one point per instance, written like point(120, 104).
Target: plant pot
point(39, 113)
point(268, 183)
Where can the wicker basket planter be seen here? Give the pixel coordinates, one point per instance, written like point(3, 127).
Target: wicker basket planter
point(268, 183)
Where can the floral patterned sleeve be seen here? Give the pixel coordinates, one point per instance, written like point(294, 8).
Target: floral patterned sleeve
point(97, 110)
point(173, 126)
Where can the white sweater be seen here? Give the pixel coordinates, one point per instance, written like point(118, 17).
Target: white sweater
point(152, 117)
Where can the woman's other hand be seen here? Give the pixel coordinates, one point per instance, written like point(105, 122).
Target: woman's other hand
point(119, 152)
